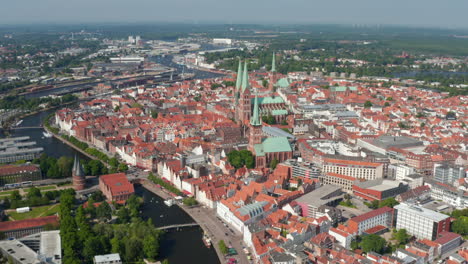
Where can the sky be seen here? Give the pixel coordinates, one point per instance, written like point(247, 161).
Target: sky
point(430, 13)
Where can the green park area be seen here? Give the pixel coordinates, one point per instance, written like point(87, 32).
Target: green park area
point(35, 212)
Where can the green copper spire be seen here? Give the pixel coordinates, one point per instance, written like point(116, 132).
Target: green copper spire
point(255, 120)
point(273, 63)
point(245, 78)
point(239, 76)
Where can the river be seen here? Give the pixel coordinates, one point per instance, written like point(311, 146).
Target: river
point(183, 246)
point(52, 146)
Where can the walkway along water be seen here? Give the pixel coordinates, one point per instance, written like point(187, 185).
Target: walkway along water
point(207, 220)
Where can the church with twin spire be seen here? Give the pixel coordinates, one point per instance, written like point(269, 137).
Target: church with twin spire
point(248, 115)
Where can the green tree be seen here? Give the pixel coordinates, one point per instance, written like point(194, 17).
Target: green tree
point(123, 215)
point(133, 248)
point(390, 202)
point(84, 230)
point(368, 104)
point(150, 247)
point(222, 246)
point(123, 167)
point(53, 171)
point(34, 192)
point(373, 243)
point(92, 247)
point(104, 212)
point(117, 245)
point(460, 226)
point(65, 165)
point(15, 196)
point(401, 236)
point(154, 114)
point(114, 162)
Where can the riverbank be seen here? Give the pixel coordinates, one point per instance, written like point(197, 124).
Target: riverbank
point(66, 142)
point(207, 220)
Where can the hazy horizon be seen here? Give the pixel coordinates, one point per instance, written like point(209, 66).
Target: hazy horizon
point(425, 13)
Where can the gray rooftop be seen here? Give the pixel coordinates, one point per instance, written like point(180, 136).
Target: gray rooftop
point(19, 251)
point(399, 142)
point(254, 208)
point(50, 246)
point(106, 258)
point(421, 211)
point(379, 184)
point(276, 132)
point(321, 196)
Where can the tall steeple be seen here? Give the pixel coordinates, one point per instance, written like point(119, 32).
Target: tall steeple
point(255, 120)
point(239, 76)
point(245, 78)
point(273, 63)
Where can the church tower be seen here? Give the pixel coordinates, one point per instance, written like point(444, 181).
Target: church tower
point(244, 107)
point(273, 77)
point(238, 84)
point(78, 176)
point(255, 136)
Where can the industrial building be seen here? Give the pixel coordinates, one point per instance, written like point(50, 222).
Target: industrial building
point(18, 148)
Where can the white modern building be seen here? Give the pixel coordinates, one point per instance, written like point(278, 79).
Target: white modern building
point(421, 222)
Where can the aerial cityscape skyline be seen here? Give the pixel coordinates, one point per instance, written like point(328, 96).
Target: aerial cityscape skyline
point(233, 132)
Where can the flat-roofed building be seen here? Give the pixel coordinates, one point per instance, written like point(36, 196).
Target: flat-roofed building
point(18, 252)
point(18, 148)
point(345, 182)
point(383, 143)
point(325, 195)
point(379, 189)
point(107, 259)
point(421, 222)
point(448, 174)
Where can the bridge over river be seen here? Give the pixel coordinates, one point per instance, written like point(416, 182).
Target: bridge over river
point(177, 226)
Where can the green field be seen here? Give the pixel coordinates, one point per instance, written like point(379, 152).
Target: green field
point(35, 212)
point(43, 188)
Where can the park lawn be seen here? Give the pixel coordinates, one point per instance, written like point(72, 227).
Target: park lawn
point(6, 192)
point(35, 212)
point(43, 188)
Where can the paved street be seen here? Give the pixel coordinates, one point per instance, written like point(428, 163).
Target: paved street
point(217, 231)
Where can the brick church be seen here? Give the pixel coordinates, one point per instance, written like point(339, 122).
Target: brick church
point(248, 114)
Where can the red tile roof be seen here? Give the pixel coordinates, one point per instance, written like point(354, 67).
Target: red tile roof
point(371, 214)
point(375, 229)
point(28, 223)
point(118, 183)
point(14, 169)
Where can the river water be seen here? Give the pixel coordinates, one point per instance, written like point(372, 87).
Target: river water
point(183, 246)
point(52, 146)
